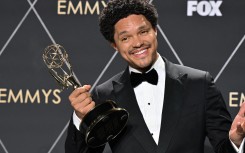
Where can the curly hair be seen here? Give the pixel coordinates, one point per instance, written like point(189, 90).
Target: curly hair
point(118, 9)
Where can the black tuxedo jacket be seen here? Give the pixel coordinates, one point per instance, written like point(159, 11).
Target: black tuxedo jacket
point(193, 109)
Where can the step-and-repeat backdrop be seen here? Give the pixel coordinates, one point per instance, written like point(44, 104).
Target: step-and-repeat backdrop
point(34, 114)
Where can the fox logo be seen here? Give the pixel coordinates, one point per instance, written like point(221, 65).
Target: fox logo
point(204, 8)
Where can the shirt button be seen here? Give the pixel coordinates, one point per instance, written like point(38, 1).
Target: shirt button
point(149, 103)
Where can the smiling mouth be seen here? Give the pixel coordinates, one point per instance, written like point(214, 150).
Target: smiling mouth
point(140, 52)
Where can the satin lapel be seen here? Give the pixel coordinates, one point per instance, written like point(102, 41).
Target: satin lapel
point(173, 100)
point(125, 97)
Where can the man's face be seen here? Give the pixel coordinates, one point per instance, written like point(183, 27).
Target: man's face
point(136, 41)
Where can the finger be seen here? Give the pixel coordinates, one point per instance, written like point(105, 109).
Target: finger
point(243, 126)
point(78, 95)
point(81, 102)
point(239, 128)
point(87, 87)
point(81, 97)
point(80, 90)
point(86, 109)
point(86, 102)
point(242, 110)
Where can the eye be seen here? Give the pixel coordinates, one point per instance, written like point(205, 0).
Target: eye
point(124, 39)
point(144, 32)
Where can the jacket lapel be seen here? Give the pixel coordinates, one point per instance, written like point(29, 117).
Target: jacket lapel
point(173, 100)
point(125, 97)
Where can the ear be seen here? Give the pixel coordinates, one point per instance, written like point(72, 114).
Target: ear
point(113, 45)
point(155, 29)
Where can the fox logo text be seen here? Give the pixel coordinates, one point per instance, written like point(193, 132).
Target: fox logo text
point(204, 8)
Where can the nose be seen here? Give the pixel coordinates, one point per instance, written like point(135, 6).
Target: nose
point(138, 42)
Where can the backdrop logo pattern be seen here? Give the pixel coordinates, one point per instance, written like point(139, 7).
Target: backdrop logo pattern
point(31, 21)
point(236, 99)
point(39, 96)
point(204, 8)
point(88, 7)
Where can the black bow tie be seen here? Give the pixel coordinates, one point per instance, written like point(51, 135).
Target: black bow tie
point(138, 78)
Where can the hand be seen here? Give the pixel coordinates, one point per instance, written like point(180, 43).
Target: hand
point(81, 101)
point(237, 131)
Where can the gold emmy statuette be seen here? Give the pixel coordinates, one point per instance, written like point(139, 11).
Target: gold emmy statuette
point(106, 120)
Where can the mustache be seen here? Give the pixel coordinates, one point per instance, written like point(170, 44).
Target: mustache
point(142, 46)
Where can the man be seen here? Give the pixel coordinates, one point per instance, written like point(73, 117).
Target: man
point(171, 114)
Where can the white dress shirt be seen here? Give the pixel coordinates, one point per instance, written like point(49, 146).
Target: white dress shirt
point(150, 98)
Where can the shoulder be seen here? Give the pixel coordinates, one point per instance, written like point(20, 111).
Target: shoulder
point(176, 70)
point(108, 83)
point(106, 88)
point(193, 78)
point(191, 71)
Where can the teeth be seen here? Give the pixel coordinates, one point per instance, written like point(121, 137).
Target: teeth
point(140, 52)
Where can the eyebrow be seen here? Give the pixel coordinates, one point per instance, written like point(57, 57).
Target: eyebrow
point(143, 27)
point(140, 28)
point(121, 33)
